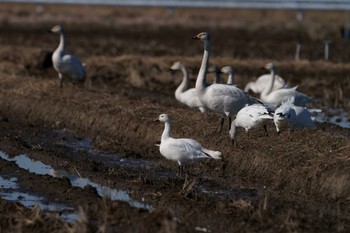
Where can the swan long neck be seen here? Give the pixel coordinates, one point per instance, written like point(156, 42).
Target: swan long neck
point(184, 84)
point(230, 79)
point(62, 45)
point(167, 131)
point(269, 89)
point(202, 74)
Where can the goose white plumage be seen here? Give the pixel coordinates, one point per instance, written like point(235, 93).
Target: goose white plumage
point(229, 71)
point(222, 98)
point(65, 64)
point(290, 116)
point(249, 117)
point(183, 94)
point(182, 150)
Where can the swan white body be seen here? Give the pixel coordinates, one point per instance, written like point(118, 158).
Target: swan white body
point(249, 117)
point(222, 98)
point(290, 116)
point(183, 94)
point(229, 71)
point(65, 64)
point(182, 150)
point(274, 98)
point(263, 82)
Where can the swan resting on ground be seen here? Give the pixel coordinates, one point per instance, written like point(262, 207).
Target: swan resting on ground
point(274, 98)
point(263, 81)
point(249, 117)
point(224, 99)
point(183, 94)
point(290, 116)
point(182, 150)
point(65, 64)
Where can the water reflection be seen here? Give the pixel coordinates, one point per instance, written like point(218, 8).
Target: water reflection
point(37, 167)
point(9, 191)
point(334, 116)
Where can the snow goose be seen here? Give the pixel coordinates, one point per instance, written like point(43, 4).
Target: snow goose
point(183, 94)
point(290, 116)
point(66, 64)
point(222, 98)
point(229, 71)
point(249, 117)
point(182, 150)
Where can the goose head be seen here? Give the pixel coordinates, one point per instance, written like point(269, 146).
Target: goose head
point(164, 118)
point(203, 36)
point(57, 29)
point(176, 66)
point(227, 70)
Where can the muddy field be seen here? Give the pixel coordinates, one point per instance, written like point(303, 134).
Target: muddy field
point(86, 155)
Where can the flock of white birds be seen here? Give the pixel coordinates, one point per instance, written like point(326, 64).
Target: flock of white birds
point(278, 102)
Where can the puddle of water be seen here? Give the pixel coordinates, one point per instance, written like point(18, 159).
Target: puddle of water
point(9, 191)
point(334, 116)
point(37, 167)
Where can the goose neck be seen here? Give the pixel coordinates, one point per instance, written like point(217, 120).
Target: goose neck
point(167, 131)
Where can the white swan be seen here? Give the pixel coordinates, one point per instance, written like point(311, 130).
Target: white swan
point(182, 150)
point(290, 116)
point(275, 97)
point(229, 71)
point(183, 94)
point(222, 98)
point(249, 117)
point(65, 64)
point(263, 82)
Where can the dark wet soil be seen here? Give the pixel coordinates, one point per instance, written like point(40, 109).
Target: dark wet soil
point(103, 130)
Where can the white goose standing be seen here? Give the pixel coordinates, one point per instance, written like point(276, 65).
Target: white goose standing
point(222, 98)
point(183, 94)
point(66, 64)
point(182, 150)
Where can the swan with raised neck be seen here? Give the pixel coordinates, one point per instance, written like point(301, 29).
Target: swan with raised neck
point(222, 98)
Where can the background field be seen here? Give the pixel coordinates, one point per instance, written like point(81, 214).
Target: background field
point(295, 182)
